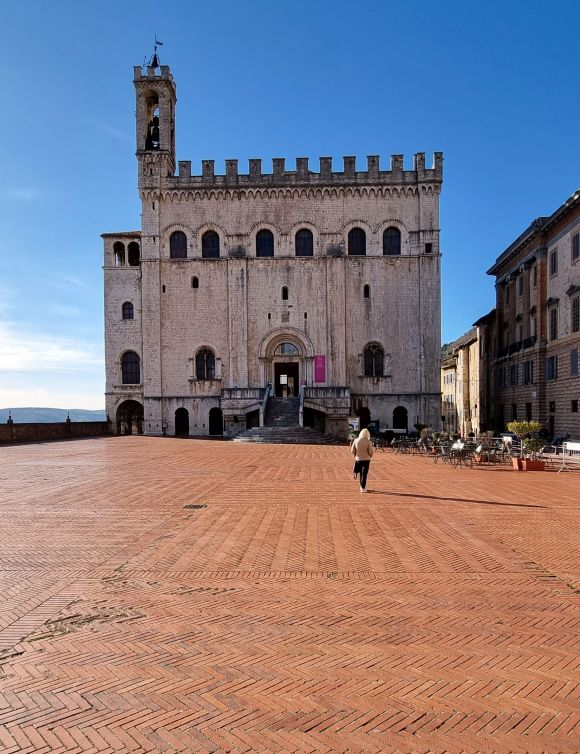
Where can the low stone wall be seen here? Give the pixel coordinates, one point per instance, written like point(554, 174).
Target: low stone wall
point(40, 432)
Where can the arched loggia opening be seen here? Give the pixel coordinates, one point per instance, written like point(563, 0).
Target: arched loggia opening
point(216, 421)
point(130, 418)
point(401, 418)
point(181, 422)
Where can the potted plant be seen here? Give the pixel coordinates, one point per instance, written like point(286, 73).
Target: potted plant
point(522, 430)
point(533, 445)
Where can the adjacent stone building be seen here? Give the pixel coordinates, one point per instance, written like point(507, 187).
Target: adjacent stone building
point(537, 326)
point(318, 286)
point(460, 385)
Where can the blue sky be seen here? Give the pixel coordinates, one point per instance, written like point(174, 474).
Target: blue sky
point(494, 85)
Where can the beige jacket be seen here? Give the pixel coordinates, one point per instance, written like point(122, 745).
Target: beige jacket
point(362, 449)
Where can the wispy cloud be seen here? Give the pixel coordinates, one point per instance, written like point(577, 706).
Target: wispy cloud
point(114, 133)
point(64, 310)
point(22, 350)
point(22, 194)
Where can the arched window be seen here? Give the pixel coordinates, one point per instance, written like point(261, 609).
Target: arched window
point(392, 241)
point(119, 253)
point(357, 242)
point(284, 293)
point(367, 291)
point(205, 365)
point(131, 368)
point(195, 282)
point(304, 243)
point(374, 360)
point(264, 243)
point(178, 245)
point(127, 310)
point(133, 256)
point(286, 349)
point(210, 245)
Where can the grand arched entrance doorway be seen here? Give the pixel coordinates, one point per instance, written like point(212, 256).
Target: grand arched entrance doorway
point(286, 361)
point(130, 418)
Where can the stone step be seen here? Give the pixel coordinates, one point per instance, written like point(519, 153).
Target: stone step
point(285, 435)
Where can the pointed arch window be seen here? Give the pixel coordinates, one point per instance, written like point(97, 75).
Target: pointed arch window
point(264, 243)
point(374, 359)
point(128, 311)
point(304, 243)
point(392, 241)
point(357, 242)
point(131, 368)
point(178, 245)
point(205, 364)
point(210, 245)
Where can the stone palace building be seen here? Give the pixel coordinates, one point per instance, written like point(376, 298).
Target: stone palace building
point(318, 288)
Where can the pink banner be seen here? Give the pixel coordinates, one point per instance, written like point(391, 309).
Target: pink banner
point(320, 369)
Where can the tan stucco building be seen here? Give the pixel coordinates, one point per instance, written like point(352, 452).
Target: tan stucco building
point(318, 286)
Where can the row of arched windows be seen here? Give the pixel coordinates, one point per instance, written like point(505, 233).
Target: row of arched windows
point(133, 254)
point(374, 363)
point(131, 366)
point(303, 243)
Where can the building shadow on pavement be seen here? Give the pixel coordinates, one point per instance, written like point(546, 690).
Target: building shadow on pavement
point(454, 499)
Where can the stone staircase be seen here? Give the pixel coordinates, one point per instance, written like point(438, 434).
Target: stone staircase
point(282, 412)
point(284, 435)
point(281, 426)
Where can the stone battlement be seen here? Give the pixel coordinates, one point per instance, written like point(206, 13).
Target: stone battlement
point(280, 176)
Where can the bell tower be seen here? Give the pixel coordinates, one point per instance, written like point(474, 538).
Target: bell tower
point(155, 116)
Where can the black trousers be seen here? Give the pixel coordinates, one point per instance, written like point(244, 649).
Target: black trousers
point(364, 472)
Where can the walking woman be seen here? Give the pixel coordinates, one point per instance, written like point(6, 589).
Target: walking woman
point(362, 450)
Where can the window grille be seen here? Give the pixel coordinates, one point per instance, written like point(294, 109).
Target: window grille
point(264, 243)
point(131, 368)
point(210, 245)
point(178, 245)
point(304, 243)
point(392, 242)
point(357, 242)
point(128, 310)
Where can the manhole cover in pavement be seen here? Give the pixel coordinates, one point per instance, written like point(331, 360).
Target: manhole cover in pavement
point(195, 507)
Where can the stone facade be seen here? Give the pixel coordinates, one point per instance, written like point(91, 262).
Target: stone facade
point(209, 318)
point(537, 328)
point(461, 384)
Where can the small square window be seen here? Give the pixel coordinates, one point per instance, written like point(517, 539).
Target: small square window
point(428, 248)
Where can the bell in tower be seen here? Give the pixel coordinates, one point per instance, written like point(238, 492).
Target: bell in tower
point(152, 138)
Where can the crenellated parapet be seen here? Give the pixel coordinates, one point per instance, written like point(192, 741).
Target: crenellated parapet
point(302, 175)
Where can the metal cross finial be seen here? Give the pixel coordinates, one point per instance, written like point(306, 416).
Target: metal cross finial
point(155, 59)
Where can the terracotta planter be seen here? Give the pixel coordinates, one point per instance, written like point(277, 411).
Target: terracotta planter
point(517, 463)
point(530, 465)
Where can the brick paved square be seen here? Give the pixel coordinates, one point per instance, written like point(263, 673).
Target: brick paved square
point(439, 613)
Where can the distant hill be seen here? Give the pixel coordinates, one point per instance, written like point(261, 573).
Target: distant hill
point(45, 415)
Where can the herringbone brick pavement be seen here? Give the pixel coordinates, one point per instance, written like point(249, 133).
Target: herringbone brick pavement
point(288, 612)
